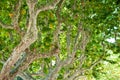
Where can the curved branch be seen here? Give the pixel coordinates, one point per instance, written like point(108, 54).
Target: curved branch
point(32, 57)
point(29, 38)
point(25, 76)
point(47, 7)
point(70, 58)
point(15, 18)
point(6, 26)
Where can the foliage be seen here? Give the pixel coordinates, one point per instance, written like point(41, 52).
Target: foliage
point(88, 28)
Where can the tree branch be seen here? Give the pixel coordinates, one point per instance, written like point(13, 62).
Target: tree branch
point(40, 73)
point(47, 7)
point(68, 40)
point(29, 38)
point(75, 44)
point(76, 73)
point(18, 63)
point(57, 31)
point(15, 18)
point(54, 73)
point(96, 62)
point(32, 57)
point(6, 26)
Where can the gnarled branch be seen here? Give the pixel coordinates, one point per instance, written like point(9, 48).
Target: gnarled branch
point(29, 38)
point(6, 26)
point(47, 7)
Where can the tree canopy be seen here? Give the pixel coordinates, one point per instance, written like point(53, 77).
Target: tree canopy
point(59, 40)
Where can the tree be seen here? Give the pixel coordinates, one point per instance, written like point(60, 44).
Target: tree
point(58, 39)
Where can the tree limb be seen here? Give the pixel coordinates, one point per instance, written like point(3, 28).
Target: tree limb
point(18, 63)
point(6, 26)
point(32, 57)
point(54, 73)
point(15, 18)
point(29, 38)
point(47, 7)
point(25, 76)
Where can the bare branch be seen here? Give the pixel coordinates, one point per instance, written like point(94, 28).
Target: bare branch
point(31, 3)
point(66, 75)
point(68, 40)
point(78, 37)
point(82, 59)
point(18, 63)
point(71, 56)
point(79, 71)
point(76, 73)
point(54, 73)
point(6, 26)
point(84, 41)
point(15, 18)
point(56, 32)
point(32, 57)
point(95, 63)
point(47, 7)
point(13, 58)
point(38, 74)
point(75, 45)
point(80, 77)
point(29, 38)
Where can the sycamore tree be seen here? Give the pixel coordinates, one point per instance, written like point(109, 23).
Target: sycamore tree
point(59, 39)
